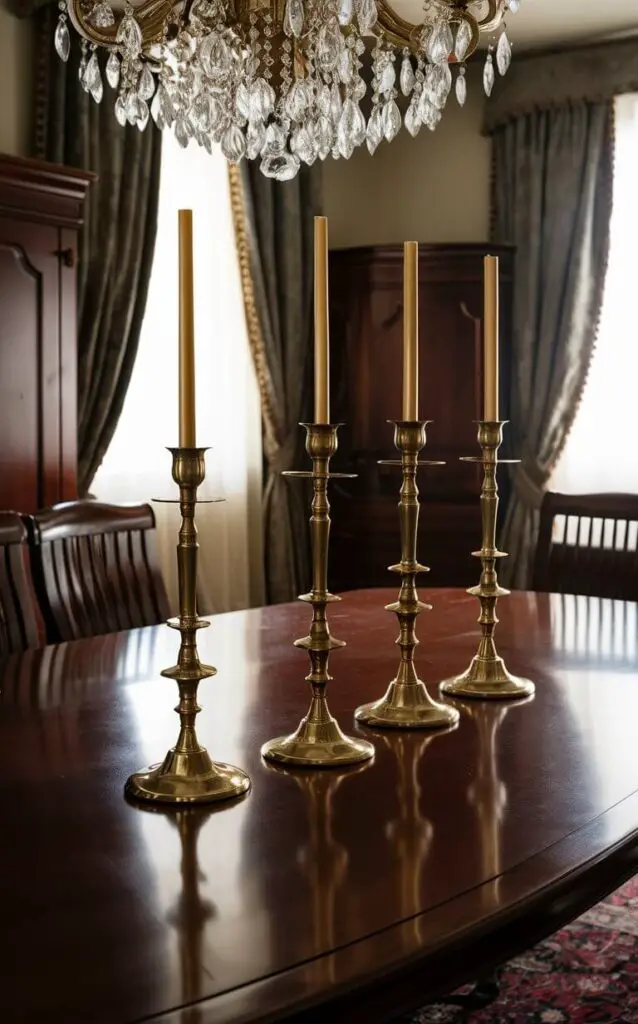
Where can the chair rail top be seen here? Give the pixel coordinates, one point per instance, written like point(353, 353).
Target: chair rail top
point(84, 518)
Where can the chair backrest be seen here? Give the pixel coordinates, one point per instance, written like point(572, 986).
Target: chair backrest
point(20, 624)
point(588, 544)
point(96, 569)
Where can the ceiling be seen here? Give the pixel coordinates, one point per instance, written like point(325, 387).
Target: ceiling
point(549, 23)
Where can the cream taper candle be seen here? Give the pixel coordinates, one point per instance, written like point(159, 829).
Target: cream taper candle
point(186, 332)
point(410, 331)
point(490, 339)
point(322, 334)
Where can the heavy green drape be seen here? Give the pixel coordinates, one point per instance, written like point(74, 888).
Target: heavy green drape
point(117, 239)
point(553, 172)
point(274, 226)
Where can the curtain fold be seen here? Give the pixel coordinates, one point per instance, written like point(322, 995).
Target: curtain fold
point(553, 180)
point(274, 232)
point(117, 238)
point(592, 74)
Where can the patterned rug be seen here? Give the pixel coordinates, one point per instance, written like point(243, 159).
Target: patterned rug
point(585, 974)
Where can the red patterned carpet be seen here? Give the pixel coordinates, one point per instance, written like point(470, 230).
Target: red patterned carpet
point(585, 974)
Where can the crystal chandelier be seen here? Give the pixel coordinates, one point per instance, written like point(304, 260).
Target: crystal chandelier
point(281, 80)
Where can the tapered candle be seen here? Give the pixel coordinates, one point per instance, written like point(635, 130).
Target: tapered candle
point(186, 332)
point(410, 331)
point(322, 342)
point(490, 339)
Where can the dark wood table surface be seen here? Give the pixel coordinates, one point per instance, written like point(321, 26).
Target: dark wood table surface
point(347, 896)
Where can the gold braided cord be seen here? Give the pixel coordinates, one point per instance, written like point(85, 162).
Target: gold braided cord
point(253, 326)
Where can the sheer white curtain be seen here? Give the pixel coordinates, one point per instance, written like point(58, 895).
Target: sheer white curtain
point(601, 454)
point(137, 466)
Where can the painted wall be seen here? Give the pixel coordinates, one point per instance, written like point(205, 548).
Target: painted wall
point(16, 84)
point(434, 188)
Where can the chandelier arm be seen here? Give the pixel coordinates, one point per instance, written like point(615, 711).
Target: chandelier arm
point(494, 16)
point(151, 16)
point(398, 31)
point(402, 33)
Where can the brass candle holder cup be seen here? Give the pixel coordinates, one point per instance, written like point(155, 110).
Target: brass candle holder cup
point(487, 677)
point(319, 742)
point(188, 775)
point(407, 703)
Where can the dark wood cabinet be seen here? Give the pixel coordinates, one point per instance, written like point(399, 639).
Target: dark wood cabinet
point(366, 300)
point(40, 214)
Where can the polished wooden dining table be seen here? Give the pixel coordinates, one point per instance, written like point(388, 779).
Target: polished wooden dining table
point(352, 895)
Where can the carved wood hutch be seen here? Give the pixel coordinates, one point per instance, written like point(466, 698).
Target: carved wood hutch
point(40, 214)
point(366, 300)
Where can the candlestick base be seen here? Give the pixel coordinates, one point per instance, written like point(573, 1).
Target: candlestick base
point(407, 706)
point(488, 679)
point(190, 777)
point(318, 742)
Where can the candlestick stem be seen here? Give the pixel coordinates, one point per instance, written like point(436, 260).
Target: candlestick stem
point(319, 741)
point(188, 775)
point(488, 677)
point(407, 703)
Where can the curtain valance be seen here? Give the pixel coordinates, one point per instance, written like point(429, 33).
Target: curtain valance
point(590, 73)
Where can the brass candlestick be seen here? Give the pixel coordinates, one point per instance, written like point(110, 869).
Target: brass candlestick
point(487, 677)
point(187, 774)
point(407, 703)
point(319, 742)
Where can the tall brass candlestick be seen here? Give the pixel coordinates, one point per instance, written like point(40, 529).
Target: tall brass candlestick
point(186, 332)
point(410, 331)
point(487, 677)
point(319, 741)
point(188, 775)
point(490, 338)
point(322, 347)
point(407, 703)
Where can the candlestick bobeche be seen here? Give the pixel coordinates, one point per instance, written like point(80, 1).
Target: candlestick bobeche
point(407, 703)
point(319, 741)
point(488, 677)
point(188, 775)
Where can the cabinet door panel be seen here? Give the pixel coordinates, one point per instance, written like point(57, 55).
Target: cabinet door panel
point(367, 370)
point(29, 342)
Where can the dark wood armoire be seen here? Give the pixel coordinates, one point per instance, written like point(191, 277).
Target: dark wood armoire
point(40, 214)
point(366, 317)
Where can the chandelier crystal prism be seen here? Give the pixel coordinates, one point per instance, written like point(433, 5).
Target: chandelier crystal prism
point(282, 81)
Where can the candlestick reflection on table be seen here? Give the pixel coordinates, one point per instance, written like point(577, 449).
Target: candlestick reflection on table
point(322, 330)
point(410, 832)
point(186, 332)
point(490, 338)
point(322, 859)
point(410, 331)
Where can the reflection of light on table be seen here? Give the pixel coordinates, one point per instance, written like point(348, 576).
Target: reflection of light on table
point(58, 680)
point(591, 629)
point(593, 637)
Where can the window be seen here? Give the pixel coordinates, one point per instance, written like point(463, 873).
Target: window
point(601, 454)
point(137, 466)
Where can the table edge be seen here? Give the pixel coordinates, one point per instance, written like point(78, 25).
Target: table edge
point(400, 984)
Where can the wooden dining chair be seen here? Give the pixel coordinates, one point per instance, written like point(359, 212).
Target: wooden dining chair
point(96, 569)
point(21, 625)
point(588, 544)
